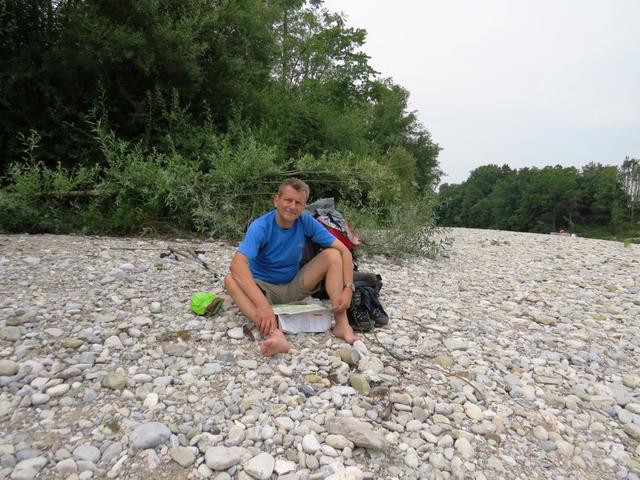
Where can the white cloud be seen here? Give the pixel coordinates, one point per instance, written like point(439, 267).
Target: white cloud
point(529, 83)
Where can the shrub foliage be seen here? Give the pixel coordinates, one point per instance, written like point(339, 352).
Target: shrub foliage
point(145, 116)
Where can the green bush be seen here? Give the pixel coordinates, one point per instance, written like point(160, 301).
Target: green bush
point(35, 196)
point(400, 229)
point(215, 191)
point(238, 186)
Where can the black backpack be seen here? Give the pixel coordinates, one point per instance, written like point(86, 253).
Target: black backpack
point(366, 310)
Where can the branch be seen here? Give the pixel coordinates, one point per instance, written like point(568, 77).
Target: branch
point(68, 194)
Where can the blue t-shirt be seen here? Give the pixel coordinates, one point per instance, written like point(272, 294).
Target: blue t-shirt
point(274, 252)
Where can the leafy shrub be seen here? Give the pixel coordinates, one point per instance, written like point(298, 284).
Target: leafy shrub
point(35, 197)
point(400, 229)
point(214, 191)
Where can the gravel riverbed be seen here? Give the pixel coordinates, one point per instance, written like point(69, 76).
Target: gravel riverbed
point(515, 357)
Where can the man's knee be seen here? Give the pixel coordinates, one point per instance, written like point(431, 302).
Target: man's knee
point(332, 256)
point(230, 282)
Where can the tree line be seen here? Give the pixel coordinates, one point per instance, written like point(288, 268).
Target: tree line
point(290, 71)
point(543, 200)
point(126, 99)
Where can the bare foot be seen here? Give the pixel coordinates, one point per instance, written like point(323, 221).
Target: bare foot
point(345, 332)
point(276, 343)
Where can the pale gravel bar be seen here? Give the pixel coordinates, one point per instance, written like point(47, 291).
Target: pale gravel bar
point(105, 372)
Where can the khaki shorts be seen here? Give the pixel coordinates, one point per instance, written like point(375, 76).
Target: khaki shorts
point(293, 291)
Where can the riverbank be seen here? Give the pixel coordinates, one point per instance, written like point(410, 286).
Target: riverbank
point(517, 356)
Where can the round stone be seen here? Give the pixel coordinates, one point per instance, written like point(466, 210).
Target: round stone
point(221, 458)
point(58, 390)
point(182, 455)
point(310, 444)
point(8, 368)
point(236, 333)
point(261, 466)
point(67, 466)
point(540, 433)
point(150, 435)
point(473, 411)
point(39, 399)
point(464, 448)
point(86, 452)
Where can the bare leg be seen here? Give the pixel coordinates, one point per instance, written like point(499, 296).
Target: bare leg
point(276, 342)
point(328, 265)
point(243, 302)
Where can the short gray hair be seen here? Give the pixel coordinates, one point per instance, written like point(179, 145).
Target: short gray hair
point(295, 183)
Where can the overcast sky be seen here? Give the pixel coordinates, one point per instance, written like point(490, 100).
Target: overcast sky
point(521, 82)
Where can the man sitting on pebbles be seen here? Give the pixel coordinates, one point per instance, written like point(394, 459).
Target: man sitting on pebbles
point(266, 268)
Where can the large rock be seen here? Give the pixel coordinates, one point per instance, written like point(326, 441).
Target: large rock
point(221, 458)
point(310, 443)
point(473, 411)
point(632, 430)
point(359, 382)
point(28, 469)
point(338, 441)
point(236, 333)
point(630, 380)
point(182, 455)
point(261, 466)
point(86, 452)
point(11, 334)
point(360, 433)
point(8, 368)
point(111, 453)
point(543, 319)
point(454, 343)
point(33, 261)
point(150, 435)
point(350, 356)
point(58, 390)
point(283, 467)
point(370, 364)
point(349, 473)
point(235, 437)
point(67, 467)
point(464, 448)
point(114, 381)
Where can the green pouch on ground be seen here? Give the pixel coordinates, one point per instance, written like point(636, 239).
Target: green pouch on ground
point(206, 303)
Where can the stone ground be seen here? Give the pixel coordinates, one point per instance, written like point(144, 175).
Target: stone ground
point(516, 357)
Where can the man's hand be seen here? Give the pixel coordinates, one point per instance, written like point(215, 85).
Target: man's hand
point(344, 301)
point(266, 319)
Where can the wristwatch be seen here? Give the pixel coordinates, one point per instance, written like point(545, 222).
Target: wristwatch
point(350, 285)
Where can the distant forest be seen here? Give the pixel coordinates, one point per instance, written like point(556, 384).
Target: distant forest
point(595, 199)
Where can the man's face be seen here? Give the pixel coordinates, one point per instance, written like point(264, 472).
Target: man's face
point(289, 205)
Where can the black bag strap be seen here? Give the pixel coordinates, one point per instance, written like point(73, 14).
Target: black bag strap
point(366, 279)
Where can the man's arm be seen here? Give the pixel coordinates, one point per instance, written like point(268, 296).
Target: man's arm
point(239, 270)
point(347, 276)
